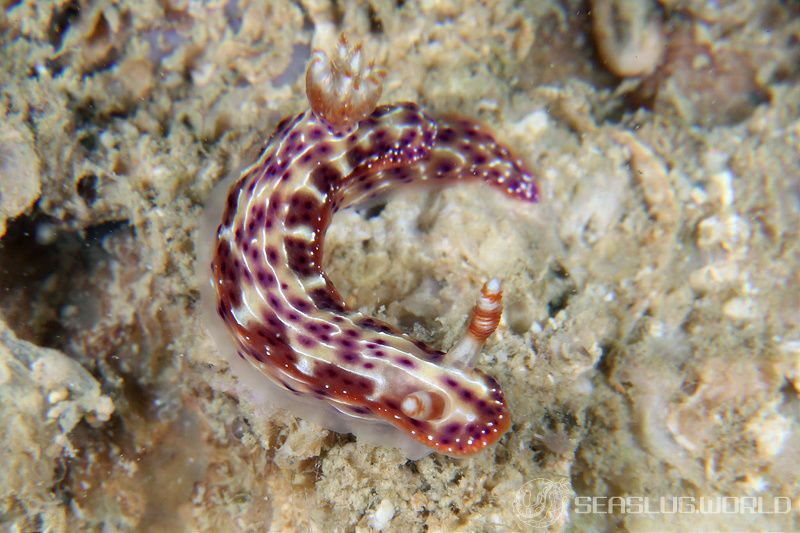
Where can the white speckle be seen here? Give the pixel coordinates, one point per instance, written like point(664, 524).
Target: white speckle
point(46, 234)
point(770, 434)
point(383, 515)
point(698, 195)
point(740, 309)
point(722, 187)
point(304, 366)
point(657, 328)
point(532, 124)
point(755, 483)
point(58, 395)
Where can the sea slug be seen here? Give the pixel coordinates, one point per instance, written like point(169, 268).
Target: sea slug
point(287, 320)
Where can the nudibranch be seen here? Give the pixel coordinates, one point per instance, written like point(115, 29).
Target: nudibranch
point(285, 317)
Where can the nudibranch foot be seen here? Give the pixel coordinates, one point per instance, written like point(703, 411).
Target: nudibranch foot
point(283, 314)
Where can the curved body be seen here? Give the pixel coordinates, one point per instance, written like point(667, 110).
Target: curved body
point(287, 319)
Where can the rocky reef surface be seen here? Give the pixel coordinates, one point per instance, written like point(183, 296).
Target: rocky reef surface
point(651, 341)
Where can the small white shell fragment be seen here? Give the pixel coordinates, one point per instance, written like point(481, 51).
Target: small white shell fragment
point(58, 395)
point(770, 434)
point(383, 515)
point(721, 187)
point(740, 309)
point(532, 125)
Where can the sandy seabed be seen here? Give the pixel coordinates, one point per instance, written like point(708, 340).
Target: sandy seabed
point(650, 347)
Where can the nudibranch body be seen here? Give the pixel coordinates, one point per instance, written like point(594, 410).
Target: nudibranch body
point(285, 316)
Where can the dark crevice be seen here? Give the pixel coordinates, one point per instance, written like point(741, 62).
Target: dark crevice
point(606, 364)
point(41, 267)
point(558, 303)
point(375, 23)
point(61, 21)
point(374, 211)
point(337, 13)
point(87, 189)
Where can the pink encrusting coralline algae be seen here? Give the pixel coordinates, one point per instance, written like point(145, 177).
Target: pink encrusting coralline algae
point(284, 314)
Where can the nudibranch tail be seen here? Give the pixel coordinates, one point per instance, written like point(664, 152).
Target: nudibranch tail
point(284, 314)
point(342, 90)
point(483, 322)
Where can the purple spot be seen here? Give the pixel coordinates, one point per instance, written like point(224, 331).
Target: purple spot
point(326, 300)
point(322, 150)
point(445, 167)
point(301, 305)
point(308, 342)
point(405, 361)
point(446, 135)
point(412, 118)
point(350, 357)
point(324, 177)
point(347, 343)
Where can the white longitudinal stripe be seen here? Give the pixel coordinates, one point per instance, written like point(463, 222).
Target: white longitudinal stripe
point(356, 361)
